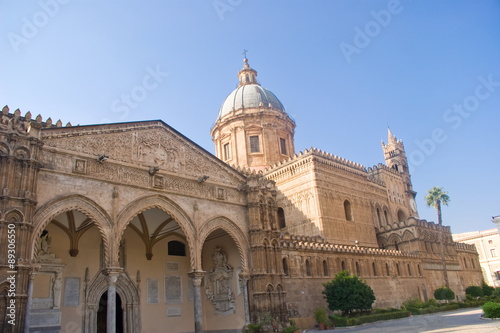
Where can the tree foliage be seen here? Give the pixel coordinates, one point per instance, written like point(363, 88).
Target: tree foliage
point(487, 290)
point(348, 293)
point(474, 291)
point(444, 293)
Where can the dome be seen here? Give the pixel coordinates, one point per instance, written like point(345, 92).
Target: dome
point(250, 96)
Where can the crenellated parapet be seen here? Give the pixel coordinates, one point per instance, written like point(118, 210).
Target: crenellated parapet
point(292, 242)
point(463, 247)
point(25, 124)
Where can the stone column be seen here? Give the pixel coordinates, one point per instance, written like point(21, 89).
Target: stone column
point(113, 274)
point(197, 277)
point(244, 290)
point(30, 299)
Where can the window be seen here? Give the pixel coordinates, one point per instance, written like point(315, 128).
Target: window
point(254, 144)
point(281, 217)
point(357, 269)
point(283, 146)
point(347, 210)
point(409, 270)
point(176, 248)
point(374, 269)
point(493, 252)
point(308, 268)
point(387, 270)
point(343, 265)
point(401, 216)
point(419, 270)
point(397, 269)
point(378, 217)
point(227, 151)
point(285, 266)
point(386, 217)
point(325, 268)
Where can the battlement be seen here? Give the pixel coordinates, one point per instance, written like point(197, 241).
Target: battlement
point(332, 160)
point(463, 247)
point(293, 242)
point(24, 123)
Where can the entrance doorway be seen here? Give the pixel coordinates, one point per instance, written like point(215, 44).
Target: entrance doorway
point(103, 311)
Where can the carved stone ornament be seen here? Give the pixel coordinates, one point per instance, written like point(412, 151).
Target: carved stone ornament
point(219, 283)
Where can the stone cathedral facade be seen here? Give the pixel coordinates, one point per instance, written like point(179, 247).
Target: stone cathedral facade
point(132, 227)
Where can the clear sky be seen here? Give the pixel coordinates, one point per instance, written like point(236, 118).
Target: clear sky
point(344, 70)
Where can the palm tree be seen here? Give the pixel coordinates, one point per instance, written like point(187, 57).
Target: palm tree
point(435, 197)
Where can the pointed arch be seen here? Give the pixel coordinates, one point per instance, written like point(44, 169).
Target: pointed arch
point(168, 206)
point(47, 212)
point(233, 230)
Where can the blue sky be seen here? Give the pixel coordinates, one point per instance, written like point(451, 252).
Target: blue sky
point(344, 70)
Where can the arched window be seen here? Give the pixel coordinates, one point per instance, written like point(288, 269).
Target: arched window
point(397, 270)
point(176, 248)
point(473, 264)
point(357, 269)
point(281, 217)
point(347, 210)
point(378, 217)
point(401, 216)
point(419, 270)
point(342, 265)
point(396, 245)
point(325, 268)
point(409, 270)
point(374, 269)
point(386, 216)
point(308, 268)
point(387, 270)
point(465, 263)
point(285, 266)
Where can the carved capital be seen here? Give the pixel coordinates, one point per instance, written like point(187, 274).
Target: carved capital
point(112, 273)
point(196, 277)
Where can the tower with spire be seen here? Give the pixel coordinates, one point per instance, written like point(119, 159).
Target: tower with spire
point(395, 158)
point(253, 129)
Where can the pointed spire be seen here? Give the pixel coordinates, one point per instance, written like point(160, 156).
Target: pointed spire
point(390, 137)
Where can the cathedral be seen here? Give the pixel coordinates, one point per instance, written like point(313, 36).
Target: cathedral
point(132, 227)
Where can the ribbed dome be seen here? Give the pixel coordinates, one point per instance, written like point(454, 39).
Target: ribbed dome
point(250, 96)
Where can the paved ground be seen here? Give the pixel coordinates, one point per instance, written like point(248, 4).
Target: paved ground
point(455, 321)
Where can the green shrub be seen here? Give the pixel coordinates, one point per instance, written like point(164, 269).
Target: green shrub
point(337, 320)
point(491, 310)
point(474, 291)
point(377, 317)
point(487, 290)
point(444, 293)
point(252, 328)
point(348, 293)
point(292, 327)
point(320, 315)
point(446, 307)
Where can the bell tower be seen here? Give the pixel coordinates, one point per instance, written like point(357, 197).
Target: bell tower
point(395, 158)
point(253, 129)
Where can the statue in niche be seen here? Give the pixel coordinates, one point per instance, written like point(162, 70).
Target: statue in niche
point(219, 281)
point(56, 290)
point(44, 243)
